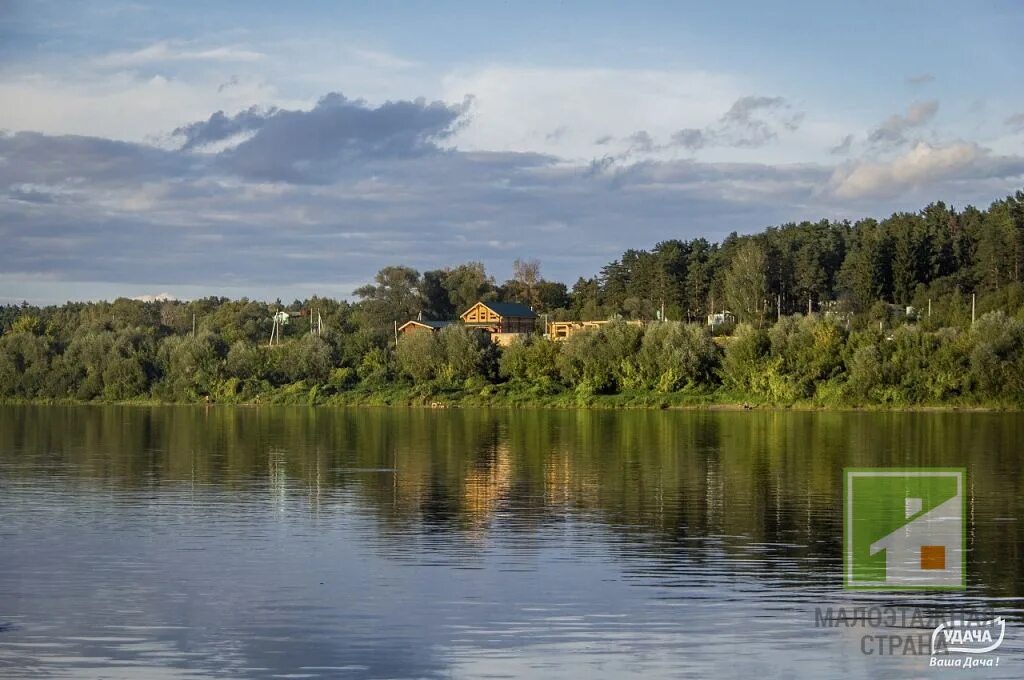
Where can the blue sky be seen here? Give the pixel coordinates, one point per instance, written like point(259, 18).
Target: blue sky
point(354, 135)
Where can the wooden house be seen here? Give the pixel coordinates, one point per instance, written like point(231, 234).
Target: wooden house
point(500, 317)
point(419, 325)
point(563, 330)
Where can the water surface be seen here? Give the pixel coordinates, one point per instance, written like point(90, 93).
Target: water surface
point(181, 542)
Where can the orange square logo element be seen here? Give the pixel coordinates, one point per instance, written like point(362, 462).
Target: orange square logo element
point(933, 557)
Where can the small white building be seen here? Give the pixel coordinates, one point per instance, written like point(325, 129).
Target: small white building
point(722, 318)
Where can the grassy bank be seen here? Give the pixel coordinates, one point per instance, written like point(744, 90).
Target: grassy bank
point(526, 396)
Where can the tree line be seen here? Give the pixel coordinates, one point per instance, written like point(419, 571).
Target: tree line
point(918, 308)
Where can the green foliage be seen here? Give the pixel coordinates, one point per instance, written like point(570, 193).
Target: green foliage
point(308, 358)
point(27, 323)
point(24, 365)
point(809, 351)
point(419, 355)
point(531, 360)
point(746, 285)
point(672, 356)
point(841, 290)
point(394, 296)
point(377, 367)
point(193, 366)
point(245, 361)
point(745, 359)
point(948, 375)
point(452, 356)
point(129, 368)
point(342, 378)
point(464, 354)
point(997, 359)
point(593, 362)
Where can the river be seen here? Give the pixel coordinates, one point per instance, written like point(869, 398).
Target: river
point(194, 542)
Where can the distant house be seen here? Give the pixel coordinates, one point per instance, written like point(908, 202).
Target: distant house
point(419, 325)
point(563, 330)
point(722, 318)
point(500, 317)
point(503, 321)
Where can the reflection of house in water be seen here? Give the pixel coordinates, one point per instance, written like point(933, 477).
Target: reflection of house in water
point(277, 475)
point(715, 492)
point(485, 485)
point(557, 480)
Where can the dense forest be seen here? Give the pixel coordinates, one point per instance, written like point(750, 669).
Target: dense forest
point(917, 309)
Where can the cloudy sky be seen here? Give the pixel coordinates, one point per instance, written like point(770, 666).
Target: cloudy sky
point(207, 148)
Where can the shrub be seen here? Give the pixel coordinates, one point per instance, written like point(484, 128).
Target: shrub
point(810, 352)
point(419, 355)
point(593, 362)
point(672, 355)
point(376, 367)
point(463, 354)
point(531, 359)
point(745, 359)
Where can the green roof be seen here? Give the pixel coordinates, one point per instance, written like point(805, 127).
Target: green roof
point(510, 309)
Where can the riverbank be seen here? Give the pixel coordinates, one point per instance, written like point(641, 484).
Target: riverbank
point(513, 396)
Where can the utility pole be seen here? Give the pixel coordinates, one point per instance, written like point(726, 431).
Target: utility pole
point(193, 325)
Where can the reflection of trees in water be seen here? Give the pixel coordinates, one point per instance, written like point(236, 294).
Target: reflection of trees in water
point(662, 479)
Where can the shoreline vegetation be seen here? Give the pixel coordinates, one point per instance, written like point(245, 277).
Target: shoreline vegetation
point(405, 399)
point(920, 311)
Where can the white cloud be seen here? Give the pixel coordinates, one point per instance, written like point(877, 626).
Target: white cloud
point(381, 59)
point(843, 147)
point(894, 128)
point(122, 105)
point(155, 297)
point(920, 79)
point(921, 164)
point(143, 94)
point(519, 109)
point(167, 51)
